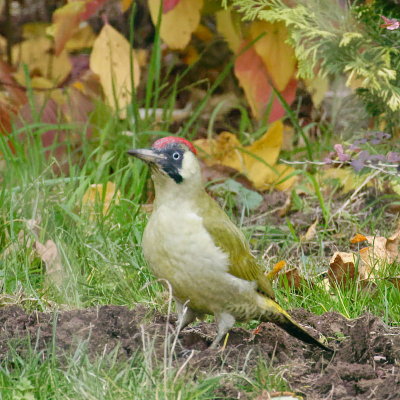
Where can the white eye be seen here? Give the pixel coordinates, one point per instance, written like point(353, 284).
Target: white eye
point(176, 156)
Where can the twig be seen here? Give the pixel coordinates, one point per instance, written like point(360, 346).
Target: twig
point(378, 167)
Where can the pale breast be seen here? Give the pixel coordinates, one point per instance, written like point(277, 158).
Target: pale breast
point(179, 249)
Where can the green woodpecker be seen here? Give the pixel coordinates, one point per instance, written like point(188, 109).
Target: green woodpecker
point(190, 242)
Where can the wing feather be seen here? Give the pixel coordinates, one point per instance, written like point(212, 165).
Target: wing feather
point(231, 240)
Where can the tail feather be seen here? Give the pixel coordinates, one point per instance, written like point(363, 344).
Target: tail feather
point(275, 313)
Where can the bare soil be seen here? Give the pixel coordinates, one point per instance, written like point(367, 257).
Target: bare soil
point(366, 363)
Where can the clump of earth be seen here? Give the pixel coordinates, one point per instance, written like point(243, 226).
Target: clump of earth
point(365, 365)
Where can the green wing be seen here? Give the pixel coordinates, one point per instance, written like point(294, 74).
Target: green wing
point(232, 241)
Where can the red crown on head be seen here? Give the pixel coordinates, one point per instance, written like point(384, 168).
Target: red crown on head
point(163, 142)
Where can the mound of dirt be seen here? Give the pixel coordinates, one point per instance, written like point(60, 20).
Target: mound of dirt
point(365, 364)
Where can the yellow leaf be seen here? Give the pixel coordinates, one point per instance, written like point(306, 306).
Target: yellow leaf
point(278, 56)
point(311, 232)
point(38, 55)
point(65, 21)
point(317, 87)
point(98, 193)
point(257, 161)
point(178, 24)
point(34, 29)
point(348, 179)
point(38, 82)
point(124, 5)
point(110, 60)
point(203, 33)
point(83, 38)
point(228, 29)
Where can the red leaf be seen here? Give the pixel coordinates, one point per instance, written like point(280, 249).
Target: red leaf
point(67, 18)
point(90, 8)
point(16, 93)
point(257, 85)
point(289, 94)
point(168, 5)
point(252, 76)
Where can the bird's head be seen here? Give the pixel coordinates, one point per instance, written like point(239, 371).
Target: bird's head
point(172, 161)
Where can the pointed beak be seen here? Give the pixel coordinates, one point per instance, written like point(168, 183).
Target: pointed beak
point(147, 155)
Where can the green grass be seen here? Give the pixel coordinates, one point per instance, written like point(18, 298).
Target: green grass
point(103, 262)
point(102, 258)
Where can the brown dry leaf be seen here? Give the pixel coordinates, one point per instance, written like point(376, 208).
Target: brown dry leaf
point(286, 207)
point(273, 274)
point(177, 24)
point(381, 252)
point(110, 60)
point(342, 269)
point(292, 278)
point(358, 238)
point(311, 232)
point(48, 252)
point(96, 194)
point(38, 55)
point(257, 161)
point(277, 56)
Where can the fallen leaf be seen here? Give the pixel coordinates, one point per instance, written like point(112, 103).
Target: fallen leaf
point(229, 28)
point(110, 60)
point(311, 232)
point(282, 211)
point(48, 252)
point(273, 274)
point(382, 251)
point(98, 194)
point(32, 30)
point(83, 38)
point(220, 173)
point(256, 83)
point(277, 56)
point(257, 161)
point(358, 238)
point(292, 278)
point(66, 20)
point(250, 71)
point(317, 87)
point(38, 55)
point(125, 4)
point(178, 21)
point(249, 199)
point(347, 178)
point(342, 269)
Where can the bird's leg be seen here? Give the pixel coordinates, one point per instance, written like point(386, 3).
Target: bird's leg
point(185, 315)
point(225, 322)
